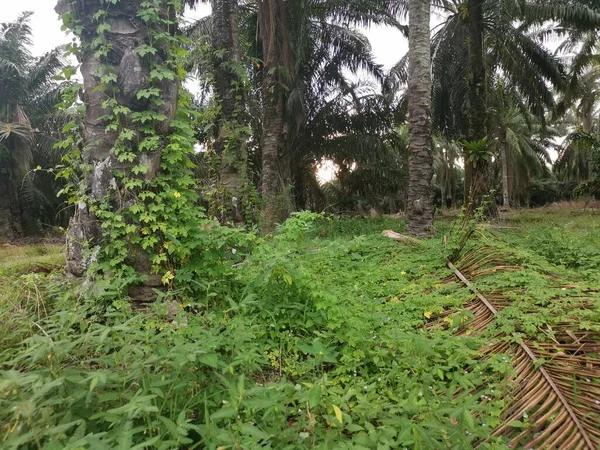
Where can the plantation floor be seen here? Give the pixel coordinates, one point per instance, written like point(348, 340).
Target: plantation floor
point(328, 336)
point(17, 260)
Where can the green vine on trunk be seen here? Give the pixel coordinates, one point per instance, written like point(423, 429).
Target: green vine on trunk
point(154, 214)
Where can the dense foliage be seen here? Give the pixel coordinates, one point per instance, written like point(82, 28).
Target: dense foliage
point(340, 106)
point(318, 339)
point(29, 127)
point(203, 312)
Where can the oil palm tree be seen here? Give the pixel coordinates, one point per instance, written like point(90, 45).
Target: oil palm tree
point(579, 112)
point(354, 128)
point(323, 47)
point(420, 192)
point(28, 95)
point(481, 38)
point(305, 51)
point(448, 172)
point(329, 115)
point(277, 72)
point(106, 181)
point(520, 142)
point(229, 86)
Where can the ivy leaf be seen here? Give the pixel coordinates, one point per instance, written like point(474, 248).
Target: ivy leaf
point(147, 93)
point(162, 74)
point(103, 27)
point(145, 49)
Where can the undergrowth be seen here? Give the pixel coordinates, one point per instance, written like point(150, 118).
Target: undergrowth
point(315, 338)
point(15, 260)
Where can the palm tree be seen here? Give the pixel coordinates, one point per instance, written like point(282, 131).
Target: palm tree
point(116, 123)
point(354, 128)
point(419, 219)
point(230, 139)
point(579, 112)
point(481, 38)
point(578, 160)
point(302, 74)
point(476, 170)
point(277, 72)
point(448, 173)
point(28, 95)
point(521, 140)
point(315, 50)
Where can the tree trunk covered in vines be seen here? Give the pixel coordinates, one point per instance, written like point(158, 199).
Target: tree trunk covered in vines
point(230, 143)
point(476, 172)
point(420, 160)
point(276, 74)
point(126, 35)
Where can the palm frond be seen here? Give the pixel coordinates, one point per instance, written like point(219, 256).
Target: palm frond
point(553, 384)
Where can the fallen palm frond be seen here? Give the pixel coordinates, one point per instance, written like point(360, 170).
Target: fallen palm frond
point(555, 398)
point(401, 237)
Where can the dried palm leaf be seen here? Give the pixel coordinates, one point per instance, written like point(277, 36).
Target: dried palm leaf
point(556, 391)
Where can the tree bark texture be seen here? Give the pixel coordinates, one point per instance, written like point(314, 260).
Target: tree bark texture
point(127, 33)
point(476, 172)
point(10, 219)
point(230, 142)
point(12, 223)
point(420, 160)
point(505, 179)
point(276, 72)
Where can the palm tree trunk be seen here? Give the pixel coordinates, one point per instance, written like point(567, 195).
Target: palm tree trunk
point(10, 220)
point(103, 181)
point(505, 178)
point(277, 201)
point(277, 71)
point(230, 143)
point(420, 161)
point(476, 172)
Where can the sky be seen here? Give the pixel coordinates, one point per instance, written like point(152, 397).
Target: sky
point(388, 44)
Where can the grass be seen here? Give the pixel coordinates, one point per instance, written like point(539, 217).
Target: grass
point(17, 260)
point(329, 336)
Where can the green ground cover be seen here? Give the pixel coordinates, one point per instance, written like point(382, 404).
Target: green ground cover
point(328, 335)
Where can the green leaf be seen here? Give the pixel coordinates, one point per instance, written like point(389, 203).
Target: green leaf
point(517, 424)
point(226, 412)
point(147, 93)
point(210, 359)
point(145, 49)
point(468, 418)
point(253, 431)
point(146, 444)
point(314, 396)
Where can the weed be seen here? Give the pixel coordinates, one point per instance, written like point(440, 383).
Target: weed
point(316, 338)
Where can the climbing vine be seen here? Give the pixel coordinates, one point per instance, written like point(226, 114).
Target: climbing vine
point(155, 214)
point(229, 187)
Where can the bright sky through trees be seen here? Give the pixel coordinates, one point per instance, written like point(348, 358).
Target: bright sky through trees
point(388, 44)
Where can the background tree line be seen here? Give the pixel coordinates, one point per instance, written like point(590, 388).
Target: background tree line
point(287, 84)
